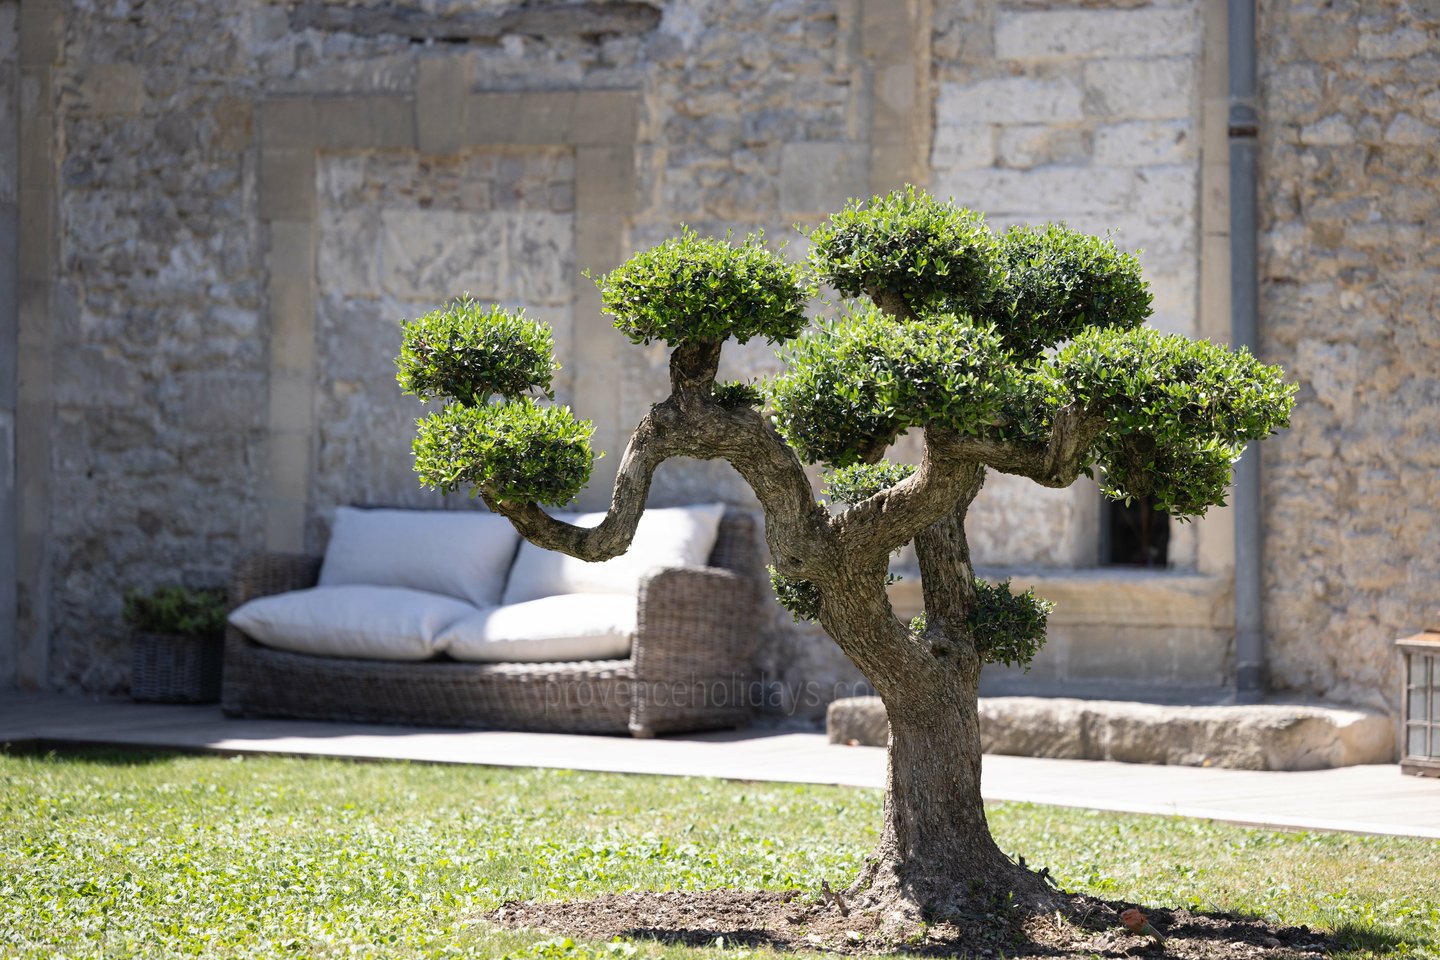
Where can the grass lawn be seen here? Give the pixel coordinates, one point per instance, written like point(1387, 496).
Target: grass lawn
point(116, 855)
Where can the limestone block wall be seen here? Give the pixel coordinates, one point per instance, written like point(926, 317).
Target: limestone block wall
point(143, 331)
point(1350, 304)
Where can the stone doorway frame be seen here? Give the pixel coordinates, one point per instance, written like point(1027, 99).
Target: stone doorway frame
point(443, 116)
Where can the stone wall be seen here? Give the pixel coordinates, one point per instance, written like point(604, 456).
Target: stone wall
point(158, 395)
point(1350, 305)
point(156, 372)
point(225, 236)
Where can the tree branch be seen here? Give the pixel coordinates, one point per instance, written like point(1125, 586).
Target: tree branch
point(1055, 463)
point(891, 518)
point(946, 575)
point(693, 365)
point(690, 424)
point(950, 464)
point(891, 302)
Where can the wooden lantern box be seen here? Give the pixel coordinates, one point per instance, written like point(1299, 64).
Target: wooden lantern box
point(1420, 707)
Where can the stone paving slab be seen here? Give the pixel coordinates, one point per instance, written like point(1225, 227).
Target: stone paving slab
point(1372, 798)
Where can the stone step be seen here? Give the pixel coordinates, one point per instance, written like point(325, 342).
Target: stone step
point(1267, 736)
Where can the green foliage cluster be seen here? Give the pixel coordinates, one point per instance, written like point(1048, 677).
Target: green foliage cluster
point(1056, 282)
point(1008, 627)
point(521, 450)
point(468, 352)
point(972, 358)
point(939, 257)
point(733, 394)
point(797, 595)
point(856, 384)
point(861, 481)
point(693, 288)
point(177, 611)
point(483, 360)
point(1179, 411)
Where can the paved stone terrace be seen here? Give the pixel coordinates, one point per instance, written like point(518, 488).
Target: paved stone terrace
point(1363, 799)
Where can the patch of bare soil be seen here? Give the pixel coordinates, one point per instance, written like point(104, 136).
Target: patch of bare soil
point(792, 921)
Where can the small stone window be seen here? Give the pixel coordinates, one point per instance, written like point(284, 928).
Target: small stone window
point(1136, 534)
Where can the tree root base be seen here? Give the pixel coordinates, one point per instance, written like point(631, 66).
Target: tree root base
point(1079, 927)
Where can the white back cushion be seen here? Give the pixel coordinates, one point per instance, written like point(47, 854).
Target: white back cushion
point(461, 555)
point(574, 626)
point(376, 623)
point(670, 537)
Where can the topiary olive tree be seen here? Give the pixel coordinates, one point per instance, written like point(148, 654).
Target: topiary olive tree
point(1023, 353)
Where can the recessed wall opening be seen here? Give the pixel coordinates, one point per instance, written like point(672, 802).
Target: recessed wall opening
point(1134, 534)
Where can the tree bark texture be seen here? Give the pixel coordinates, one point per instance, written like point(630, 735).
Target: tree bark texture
point(936, 856)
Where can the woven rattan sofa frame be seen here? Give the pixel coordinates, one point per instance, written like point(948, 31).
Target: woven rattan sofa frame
point(689, 667)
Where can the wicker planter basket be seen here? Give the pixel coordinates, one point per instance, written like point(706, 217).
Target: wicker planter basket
point(172, 669)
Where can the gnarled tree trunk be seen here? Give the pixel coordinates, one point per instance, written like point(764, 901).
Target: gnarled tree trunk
point(936, 856)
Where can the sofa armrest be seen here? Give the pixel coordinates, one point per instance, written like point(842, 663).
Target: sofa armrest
point(257, 575)
point(693, 649)
point(265, 574)
point(695, 622)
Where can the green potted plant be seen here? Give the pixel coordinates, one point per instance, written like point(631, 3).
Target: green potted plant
point(176, 649)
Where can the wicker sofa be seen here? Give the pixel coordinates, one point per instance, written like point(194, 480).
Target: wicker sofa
point(688, 668)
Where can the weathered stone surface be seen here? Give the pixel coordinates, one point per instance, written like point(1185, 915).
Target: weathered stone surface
point(1063, 34)
point(1115, 632)
point(858, 721)
point(1158, 89)
point(1408, 131)
point(425, 252)
point(423, 23)
point(1169, 191)
point(1012, 100)
point(1146, 143)
point(1331, 131)
point(963, 146)
point(1041, 194)
point(399, 234)
point(109, 90)
point(1035, 145)
point(1348, 306)
point(1274, 736)
point(818, 178)
point(1016, 523)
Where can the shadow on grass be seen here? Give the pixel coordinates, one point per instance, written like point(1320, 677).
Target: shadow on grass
point(1218, 934)
point(699, 937)
point(106, 756)
point(1374, 938)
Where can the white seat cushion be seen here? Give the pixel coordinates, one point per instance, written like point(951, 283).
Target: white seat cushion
point(373, 623)
point(465, 555)
point(670, 537)
point(552, 629)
